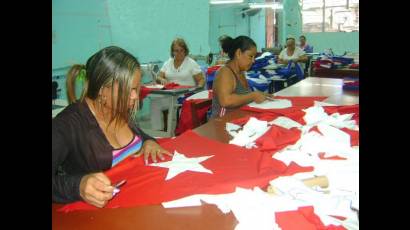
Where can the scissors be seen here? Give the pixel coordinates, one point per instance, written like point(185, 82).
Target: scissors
point(117, 186)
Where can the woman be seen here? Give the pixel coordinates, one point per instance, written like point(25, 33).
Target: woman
point(97, 132)
point(223, 54)
point(292, 53)
point(179, 69)
point(304, 46)
point(230, 87)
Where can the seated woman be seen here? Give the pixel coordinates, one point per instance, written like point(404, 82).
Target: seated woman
point(304, 46)
point(223, 54)
point(96, 132)
point(230, 87)
point(179, 69)
point(292, 53)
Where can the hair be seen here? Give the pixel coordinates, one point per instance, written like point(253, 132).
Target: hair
point(224, 42)
point(106, 67)
point(290, 38)
point(302, 36)
point(241, 42)
point(181, 42)
point(72, 74)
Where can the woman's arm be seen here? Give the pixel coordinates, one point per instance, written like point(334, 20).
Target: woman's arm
point(302, 58)
point(93, 188)
point(199, 79)
point(161, 79)
point(224, 87)
point(65, 188)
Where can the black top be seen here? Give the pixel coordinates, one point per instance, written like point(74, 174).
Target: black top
point(79, 148)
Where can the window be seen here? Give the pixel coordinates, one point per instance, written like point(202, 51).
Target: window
point(330, 15)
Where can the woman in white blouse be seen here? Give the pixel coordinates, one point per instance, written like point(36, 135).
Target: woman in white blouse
point(180, 69)
point(292, 53)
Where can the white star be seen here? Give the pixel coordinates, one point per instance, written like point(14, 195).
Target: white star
point(180, 163)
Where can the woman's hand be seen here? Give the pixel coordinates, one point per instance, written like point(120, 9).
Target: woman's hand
point(153, 149)
point(96, 189)
point(161, 79)
point(259, 97)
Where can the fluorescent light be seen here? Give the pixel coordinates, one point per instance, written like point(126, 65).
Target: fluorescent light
point(274, 5)
point(225, 1)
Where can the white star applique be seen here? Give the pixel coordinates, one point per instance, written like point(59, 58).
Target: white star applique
point(180, 163)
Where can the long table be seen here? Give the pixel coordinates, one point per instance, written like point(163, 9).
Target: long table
point(201, 217)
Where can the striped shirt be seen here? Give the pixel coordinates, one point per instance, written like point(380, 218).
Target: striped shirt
point(126, 151)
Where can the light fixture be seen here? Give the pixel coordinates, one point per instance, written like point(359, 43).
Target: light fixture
point(274, 5)
point(214, 2)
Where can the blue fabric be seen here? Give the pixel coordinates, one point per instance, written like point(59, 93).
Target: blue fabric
point(263, 87)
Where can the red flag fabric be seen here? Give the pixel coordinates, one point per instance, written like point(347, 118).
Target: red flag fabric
point(276, 138)
point(145, 91)
point(303, 218)
point(343, 109)
point(294, 112)
point(185, 119)
point(173, 85)
point(231, 165)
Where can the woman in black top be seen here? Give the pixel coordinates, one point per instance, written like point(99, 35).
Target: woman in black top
point(87, 132)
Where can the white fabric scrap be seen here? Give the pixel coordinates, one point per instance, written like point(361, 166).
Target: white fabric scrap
point(272, 104)
point(285, 122)
point(232, 128)
point(251, 131)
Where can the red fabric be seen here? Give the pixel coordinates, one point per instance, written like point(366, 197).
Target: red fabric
point(294, 112)
point(185, 119)
point(260, 116)
point(212, 69)
point(354, 66)
point(162, 140)
point(354, 134)
point(276, 138)
point(173, 85)
point(322, 156)
point(303, 218)
point(343, 109)
point(145, 91)
point(232, 166)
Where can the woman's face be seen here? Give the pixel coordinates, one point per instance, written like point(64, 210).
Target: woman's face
point(179, 52)
point(134, 93)
point(290, 44)
point(246, 58)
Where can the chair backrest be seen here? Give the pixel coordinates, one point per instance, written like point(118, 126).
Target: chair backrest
point(196, 107)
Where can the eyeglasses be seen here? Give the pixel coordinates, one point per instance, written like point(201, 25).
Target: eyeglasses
point(178, 50)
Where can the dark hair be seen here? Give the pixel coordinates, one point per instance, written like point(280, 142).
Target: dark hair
point(181, 42)
point(290, 38)
point(104, 68)
point(224, 41)
point(302, 36)
point(241, 42)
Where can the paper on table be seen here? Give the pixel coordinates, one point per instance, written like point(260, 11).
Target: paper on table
point(275, 104)
point(285, 122)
